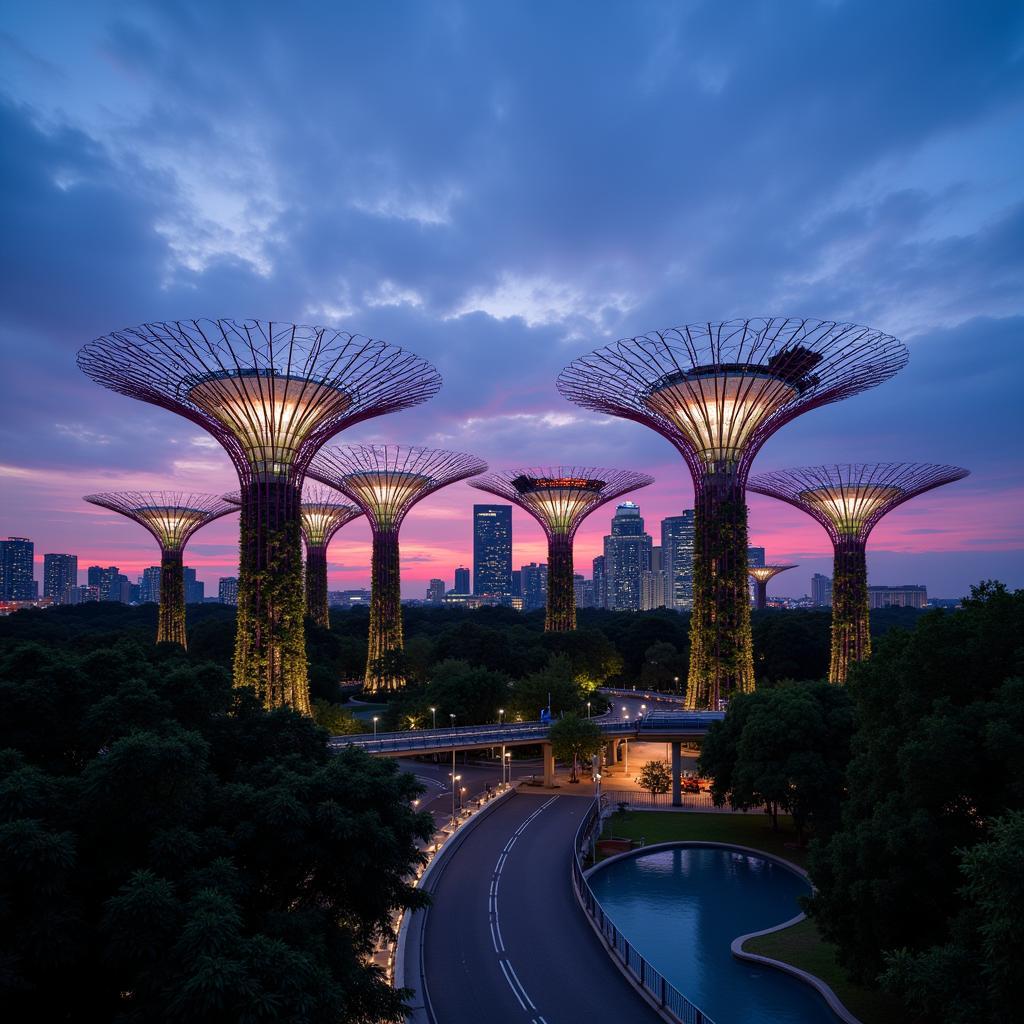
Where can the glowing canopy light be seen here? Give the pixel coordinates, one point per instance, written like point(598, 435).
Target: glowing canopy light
point(560, 502)
point(849, 507)
point(718, 408)
point(170, 516)
point(321, 521)
point(387, 493)
point(270, 414)
point(171, 525)
point(763, 573)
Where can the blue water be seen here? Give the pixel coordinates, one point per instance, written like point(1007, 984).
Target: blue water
point(682, 908)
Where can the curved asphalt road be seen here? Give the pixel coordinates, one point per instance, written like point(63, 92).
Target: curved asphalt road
point(504, 940)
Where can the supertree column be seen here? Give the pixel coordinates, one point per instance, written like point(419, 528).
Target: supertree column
point(848, 501)
point(560, 498)
point(385, 481)
point(761, 574)
point(171, 517)
point(718, 391)
point(271, 394)
point(322, 516)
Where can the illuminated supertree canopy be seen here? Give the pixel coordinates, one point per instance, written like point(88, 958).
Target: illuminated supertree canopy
point(761, 574)
point(171, 517)
point(848, 501)
point(718, 391)
point(271, 394)
point(560, 498)
point(385, 481)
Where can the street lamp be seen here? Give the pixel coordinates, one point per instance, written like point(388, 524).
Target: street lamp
point(588, 709)
point(433, 711)
point(376, 719)
point(462, 794)
point(507, 769)
point(624, 714)
point(456, 779)
point(676, 678)
point(501, 715)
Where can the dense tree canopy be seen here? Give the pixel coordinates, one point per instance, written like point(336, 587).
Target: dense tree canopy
point(938, 759)
point(575, 739)
point(170, 851)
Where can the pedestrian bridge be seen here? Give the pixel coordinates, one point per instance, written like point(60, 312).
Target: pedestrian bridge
point(656, 726)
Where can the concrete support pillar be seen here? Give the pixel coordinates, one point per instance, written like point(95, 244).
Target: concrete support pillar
point(548, 757)
point(609, 756)
point(677, 769)
point(625, 757)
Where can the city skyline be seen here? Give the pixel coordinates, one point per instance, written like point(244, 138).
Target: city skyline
point(912, 226)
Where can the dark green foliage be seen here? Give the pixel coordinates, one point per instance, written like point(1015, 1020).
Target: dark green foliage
point(785, 749)
point(656, 777)
point(937, 757)
point(978, 974)
point(790, 645)
point(171, 851)
point(662, 668)
point(556, 683)
point(471, 693)
point(575, 739)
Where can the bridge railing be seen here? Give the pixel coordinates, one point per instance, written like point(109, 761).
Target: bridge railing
point(665, 994)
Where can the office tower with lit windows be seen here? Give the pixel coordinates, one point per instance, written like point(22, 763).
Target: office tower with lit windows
point(755, 557)
point(534, 585)
point(227, 590)
point(60, 572)
point(17, 574)
point(435, 592)
point(677, 559)
point(461, 580)
point(653, 590)
point(627, 554)
point(600, 593)
point(492, 549)
point(821, 591)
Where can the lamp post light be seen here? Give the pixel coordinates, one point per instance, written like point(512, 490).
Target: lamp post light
point(508, 767)
point(501, 716)
point(462, 794)
point(625, 715)
point(456, 779)
point(376, 719)
point(676, 679)
point(433, 712)
point(588, 709)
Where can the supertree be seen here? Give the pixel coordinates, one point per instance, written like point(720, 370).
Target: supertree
point(848, 501)
point(385, 481)
point(761, 574)
point(271, 394)
point(560, 498)
point(718, 391)
point(322, 516)
point(171, 517)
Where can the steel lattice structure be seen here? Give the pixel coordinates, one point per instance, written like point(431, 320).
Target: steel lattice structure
point(560, 498)
point(761, 574)
point(322, 516)
point(385, 481)
point(718, 391)
point(171, 517)
point(848, 501)
point(271, 394)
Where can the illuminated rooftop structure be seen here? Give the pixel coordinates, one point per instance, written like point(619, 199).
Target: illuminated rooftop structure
point(560, 498)
point(171, 517)
point(271, 394)
point(848, 501)
point(385, 481)
point(718, 391)
point(761, 574)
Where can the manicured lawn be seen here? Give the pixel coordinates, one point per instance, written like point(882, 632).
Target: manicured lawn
point(803, 947)
point(800, 945)
point(744, 829)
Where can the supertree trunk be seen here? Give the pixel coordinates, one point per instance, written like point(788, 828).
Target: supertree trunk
point(270, 644)
point(171, 621)
point(561, 609)
point(721, 648)
point(760, 594)
point(316, 585)
point(383, 671)
point(851, 634)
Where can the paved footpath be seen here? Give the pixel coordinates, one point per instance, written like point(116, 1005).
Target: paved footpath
point(504, 940)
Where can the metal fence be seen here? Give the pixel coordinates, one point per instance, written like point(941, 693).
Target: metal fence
point(641, 798)
point(666, 995)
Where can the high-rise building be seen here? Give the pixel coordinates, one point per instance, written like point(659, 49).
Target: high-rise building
point(517, 583)
point(435, 591)
point(534, 583)
point(584, 591)
point(16, 569)
point(492, 549)
point(106, 580)
point(195, 590)
point(677, 559)
point(627, 554)
point(59, 573)
point(653, 590)
point(227, 590)
point(821, 591)
point(149, 585)
point(81, 595)
point(907, 596)
point(600, 594)
point(755, 557)
point(461, 580)
point(657, 565)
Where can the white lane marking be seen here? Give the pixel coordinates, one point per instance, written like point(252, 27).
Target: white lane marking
point(497, 941)
point(433, 782)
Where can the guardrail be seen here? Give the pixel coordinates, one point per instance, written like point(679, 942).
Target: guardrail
point(669, 999)
point(642, 798)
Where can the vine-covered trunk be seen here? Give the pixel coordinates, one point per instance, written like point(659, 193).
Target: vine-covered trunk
point(561, 610)
point(384, 653)
point(851, 635)
point(171, 617)
point(316, 585)
point(760, 594)
point(721, 648)
point(270, 643)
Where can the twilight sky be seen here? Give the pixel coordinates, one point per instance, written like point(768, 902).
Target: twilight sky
point(500, 187)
